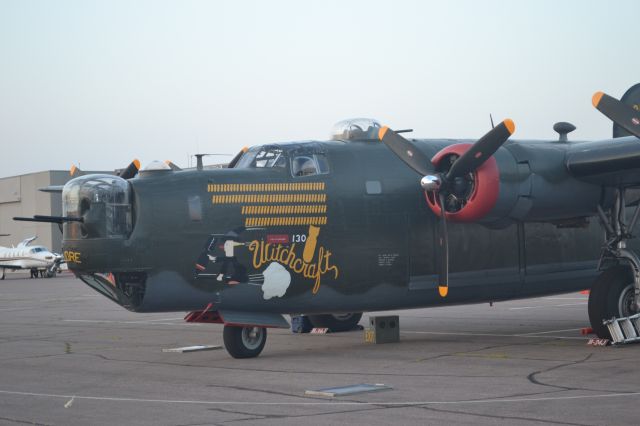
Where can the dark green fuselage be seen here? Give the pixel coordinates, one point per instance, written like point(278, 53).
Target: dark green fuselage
point(375, 242)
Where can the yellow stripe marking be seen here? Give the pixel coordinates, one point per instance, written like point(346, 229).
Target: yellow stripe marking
point(266, 187)
point(285, 221)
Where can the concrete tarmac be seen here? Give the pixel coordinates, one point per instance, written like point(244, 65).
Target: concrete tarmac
point(69, 356)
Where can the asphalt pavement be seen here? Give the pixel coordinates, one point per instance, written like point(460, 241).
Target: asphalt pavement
point(69, 356)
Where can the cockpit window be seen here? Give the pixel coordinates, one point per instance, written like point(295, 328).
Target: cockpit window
point(309, 164)
point(262, 157)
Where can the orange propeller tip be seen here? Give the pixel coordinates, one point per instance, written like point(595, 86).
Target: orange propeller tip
point(510, 125)
point(73, 169)
point(595, 100)
point(245, 149)
point(136, 162)
point(382, 132)
point(443, 290)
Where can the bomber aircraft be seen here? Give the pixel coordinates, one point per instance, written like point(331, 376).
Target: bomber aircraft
point(335, 228)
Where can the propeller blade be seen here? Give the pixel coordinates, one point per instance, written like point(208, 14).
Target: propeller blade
point(480, 151)
point(237, 158)
point(621, 114)
point(172, 165)
point(75, 171)
point(131, 170)
point(406, 151)
point(443, 243)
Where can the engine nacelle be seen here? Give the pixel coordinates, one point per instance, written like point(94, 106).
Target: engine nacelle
point(520, 182)
point(483, 195)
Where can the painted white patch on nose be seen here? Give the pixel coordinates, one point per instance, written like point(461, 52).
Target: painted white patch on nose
point(276, 281)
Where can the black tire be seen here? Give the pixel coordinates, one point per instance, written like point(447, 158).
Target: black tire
point(50, 274)
point(244, 342)
point(612, 295)
point(336, 322)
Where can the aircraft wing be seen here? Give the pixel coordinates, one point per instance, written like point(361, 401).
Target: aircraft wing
point(612, 162)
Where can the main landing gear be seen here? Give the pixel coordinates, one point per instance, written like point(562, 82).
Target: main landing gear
point(616, 292)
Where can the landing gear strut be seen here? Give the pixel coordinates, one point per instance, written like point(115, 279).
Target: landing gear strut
point(616, 292)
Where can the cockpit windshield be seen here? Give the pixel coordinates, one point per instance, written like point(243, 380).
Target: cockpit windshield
point(262, 157)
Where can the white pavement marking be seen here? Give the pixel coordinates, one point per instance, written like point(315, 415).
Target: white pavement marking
point(16, 309)
point(145, 322)
point(68, 404)
point(525, 336)
point(549, 332)
point(318, 403)
point(585, 298)
point(547, 306)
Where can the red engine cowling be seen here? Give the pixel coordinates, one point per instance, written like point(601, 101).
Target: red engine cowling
point(484, 195)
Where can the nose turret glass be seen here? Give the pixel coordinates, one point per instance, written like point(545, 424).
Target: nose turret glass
point(104, 204)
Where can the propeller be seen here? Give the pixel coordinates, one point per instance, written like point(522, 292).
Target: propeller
point(447, 183)
point(237, 158)
point(131, 170)
point(172, 165)
point(75, 171)
point(620, 113)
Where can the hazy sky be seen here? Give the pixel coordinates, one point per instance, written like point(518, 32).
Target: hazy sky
point(99, 83)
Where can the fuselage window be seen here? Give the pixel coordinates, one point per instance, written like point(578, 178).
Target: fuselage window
point(195, 208)
point(309, 164)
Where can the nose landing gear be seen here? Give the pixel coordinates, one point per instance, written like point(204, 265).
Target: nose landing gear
point(244, 342)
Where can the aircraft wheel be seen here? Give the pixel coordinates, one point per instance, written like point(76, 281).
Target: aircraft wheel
point(244, 342)
point(612, 295)
point(2, 273)
point(51, 274)
point(336, 322)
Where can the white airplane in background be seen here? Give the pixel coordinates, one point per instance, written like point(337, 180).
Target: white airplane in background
point(38, 259)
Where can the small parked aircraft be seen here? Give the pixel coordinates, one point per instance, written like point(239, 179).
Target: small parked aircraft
point(38, 259)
